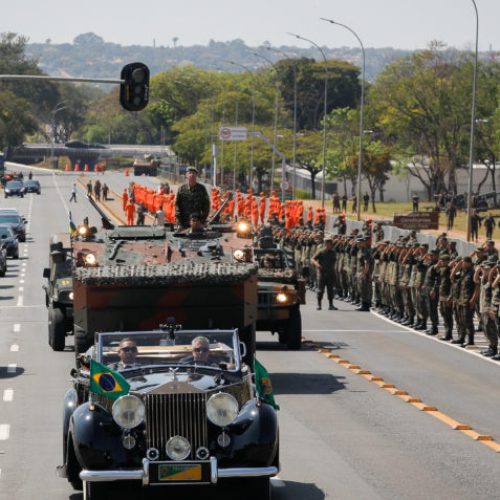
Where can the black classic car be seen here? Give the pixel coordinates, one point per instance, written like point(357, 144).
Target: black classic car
point(168, 408)
point(14, 188)
point(33, 186)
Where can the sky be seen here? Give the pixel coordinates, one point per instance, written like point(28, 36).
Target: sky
point(406, 24)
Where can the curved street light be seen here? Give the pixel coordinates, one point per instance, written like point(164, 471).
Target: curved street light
point(294, 139)
point(253, 116)
point(472, 129)
point(361, 113)
point(324, 114)
point(275, 125)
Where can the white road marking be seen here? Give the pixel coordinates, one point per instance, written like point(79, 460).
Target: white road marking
point(24, 264)
point(14, 348)
point(19, 301)
point(12, 368)
point(8, 395)
point(4, 432)
point(23, 275)
point(17, 327)
point(21, 281)
point(21, 289)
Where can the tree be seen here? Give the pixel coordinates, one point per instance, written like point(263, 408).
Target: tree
point(343, 88)
point(423, 103)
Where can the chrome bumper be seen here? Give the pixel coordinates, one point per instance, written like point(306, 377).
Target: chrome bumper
point(216, 473)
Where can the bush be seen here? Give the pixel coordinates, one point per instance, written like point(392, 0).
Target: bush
point(302, 194)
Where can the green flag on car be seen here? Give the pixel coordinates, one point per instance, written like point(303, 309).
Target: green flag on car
point(106, 382)
point(263, 385)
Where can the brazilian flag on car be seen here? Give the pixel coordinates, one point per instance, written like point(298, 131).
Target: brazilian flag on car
point(263, 385)
point(106, 382)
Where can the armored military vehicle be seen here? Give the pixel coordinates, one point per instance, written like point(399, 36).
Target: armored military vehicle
point(59, 290)
point(146, 166)
point(136, 277)
point(280, 293)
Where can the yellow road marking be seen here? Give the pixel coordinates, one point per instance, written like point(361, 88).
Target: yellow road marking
point(484, 439)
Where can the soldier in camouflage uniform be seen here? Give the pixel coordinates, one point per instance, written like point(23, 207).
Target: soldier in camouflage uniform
point(466, 303)
point(192, 197)
point(324, 261)
point(418, 282)
point(430, 290)
point(445, 295)
point(483, 278)
point(364, 272)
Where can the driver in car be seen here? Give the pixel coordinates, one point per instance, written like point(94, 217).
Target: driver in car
point(201, 353)
point(127, 352)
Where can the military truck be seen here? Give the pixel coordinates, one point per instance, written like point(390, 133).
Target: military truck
point(280, 293)
point(138, 276)
point(146, 166)
point(59, 290)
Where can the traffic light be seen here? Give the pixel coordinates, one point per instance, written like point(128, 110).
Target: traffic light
point(134, 91)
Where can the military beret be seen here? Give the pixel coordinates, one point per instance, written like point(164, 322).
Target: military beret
point(425, 245)
point(434, 252)
point(192, 169)
point(492, 260)
point(444, 256)
point(467, 259)
point(490, 242)
point(480, 249)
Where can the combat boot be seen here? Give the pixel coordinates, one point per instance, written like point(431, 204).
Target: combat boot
point(433, 330)
point(490, 352)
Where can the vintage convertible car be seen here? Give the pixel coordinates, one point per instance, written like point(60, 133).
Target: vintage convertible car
point(153, 408)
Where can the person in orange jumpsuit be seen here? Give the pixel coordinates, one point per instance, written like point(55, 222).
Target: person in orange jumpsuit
point(262, 207)
point(125, 199)
point(130, 210)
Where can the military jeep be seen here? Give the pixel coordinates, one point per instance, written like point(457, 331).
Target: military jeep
point(59, 290)
point(280, 294)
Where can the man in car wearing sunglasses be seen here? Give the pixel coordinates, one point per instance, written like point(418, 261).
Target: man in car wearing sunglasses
point(127, 352)
point(201, 353)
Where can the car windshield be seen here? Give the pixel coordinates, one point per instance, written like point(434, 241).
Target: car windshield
point(10, 219)
point(63, 269)
point(7, 231)
point(14, 185)
point(32, 184)
point(211, 349)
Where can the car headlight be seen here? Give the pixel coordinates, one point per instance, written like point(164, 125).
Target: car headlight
point(178, 448)
point(238, 254)
point(282, 297)
point(128, 411)
point(71, 295)
point(243, 227)
point(83, 230)
point(90, 259)
point(7, 190)
point(222, 409)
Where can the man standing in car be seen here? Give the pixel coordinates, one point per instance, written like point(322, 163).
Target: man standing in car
point(192, 197)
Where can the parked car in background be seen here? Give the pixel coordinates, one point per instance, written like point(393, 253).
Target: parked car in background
point(15, 221)
point(14, 188)
point(33, 186)
point(8, 240)
point(3, 261)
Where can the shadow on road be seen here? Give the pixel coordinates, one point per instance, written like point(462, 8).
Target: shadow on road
point(5, 373)
point(4, 287)
point(9, 297)
point(306, 383)
point(298, 491)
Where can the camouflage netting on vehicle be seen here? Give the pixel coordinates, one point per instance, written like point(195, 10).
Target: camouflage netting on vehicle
point(185, 271)
point(282, 275)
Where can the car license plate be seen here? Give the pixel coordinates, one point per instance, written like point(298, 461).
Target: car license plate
point(179, 472)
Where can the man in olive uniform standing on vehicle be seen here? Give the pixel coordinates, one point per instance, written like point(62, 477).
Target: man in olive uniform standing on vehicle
point(192, 197)
point(324, 261)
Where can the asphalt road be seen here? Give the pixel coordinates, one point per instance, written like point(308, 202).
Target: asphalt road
point(342, 436)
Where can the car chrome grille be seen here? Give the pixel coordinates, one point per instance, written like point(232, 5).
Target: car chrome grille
point(169, 415)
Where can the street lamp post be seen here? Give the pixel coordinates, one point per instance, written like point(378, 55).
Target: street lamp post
point(361, 113)
point(253, 118)
point(472, 129)
point(294, 139)
point(323, 180)
point(58, 107)
point(275, 125)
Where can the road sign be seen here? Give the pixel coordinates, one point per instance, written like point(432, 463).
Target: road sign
point(417, 220)
point(284, 185)
point(233, 134)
